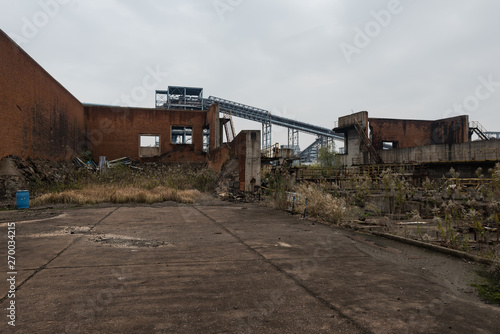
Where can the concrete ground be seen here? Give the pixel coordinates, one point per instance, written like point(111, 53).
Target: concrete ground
point(226, 268)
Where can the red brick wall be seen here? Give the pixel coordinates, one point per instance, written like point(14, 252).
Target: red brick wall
point(219, 156)
point(39, 118)
point(245, 140)
point(114, 132)
point(411, 133)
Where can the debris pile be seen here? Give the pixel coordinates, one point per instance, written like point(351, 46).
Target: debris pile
point(19, 174)
point(40, 176)
point(86, 161)
point(11, 179)
point(227, 185)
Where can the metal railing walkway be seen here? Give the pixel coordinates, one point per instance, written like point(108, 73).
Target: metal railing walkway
point(478, 129)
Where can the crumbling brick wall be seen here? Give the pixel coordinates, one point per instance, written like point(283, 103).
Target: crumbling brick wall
point(39, 118)
point(412, 133)
point(114, 132)
point(242, 159)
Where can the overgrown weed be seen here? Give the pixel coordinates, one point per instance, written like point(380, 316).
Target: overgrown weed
point(321, 204)
point(121, 184)
point(95, 194)
point(488, 284)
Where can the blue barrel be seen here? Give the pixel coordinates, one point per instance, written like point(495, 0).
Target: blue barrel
point(23, 199)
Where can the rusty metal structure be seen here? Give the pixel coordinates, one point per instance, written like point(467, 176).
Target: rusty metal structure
point(176, 97)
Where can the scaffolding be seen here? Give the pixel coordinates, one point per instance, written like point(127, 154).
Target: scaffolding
point(184, 98)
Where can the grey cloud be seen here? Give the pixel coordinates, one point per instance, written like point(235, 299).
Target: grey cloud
point(278, 55)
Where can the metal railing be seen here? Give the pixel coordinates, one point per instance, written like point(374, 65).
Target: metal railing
point(271, 151)
point(477, 128)
point(316, 173)
point(475, 182)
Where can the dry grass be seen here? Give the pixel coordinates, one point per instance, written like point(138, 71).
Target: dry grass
point(95, 194)
point(321, 204)
point(153, 183)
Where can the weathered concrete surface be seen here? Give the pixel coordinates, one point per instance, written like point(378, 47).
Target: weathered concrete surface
point(227, 269)
point(474, 151)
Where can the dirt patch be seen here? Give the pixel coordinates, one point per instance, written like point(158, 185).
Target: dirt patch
point(126, 242)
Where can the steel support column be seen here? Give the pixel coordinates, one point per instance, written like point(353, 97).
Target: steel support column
point(266, 135)
point(293, 140)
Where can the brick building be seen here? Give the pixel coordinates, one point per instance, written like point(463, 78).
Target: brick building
point(153, 134)
point(40, 119)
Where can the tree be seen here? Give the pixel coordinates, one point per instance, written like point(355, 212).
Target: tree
point(328, 157)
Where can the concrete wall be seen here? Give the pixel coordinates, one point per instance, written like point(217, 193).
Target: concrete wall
point(349, 120)
point(411, 133)
point(353, 149)
point(248, 148)
point(487, 150)
point(114, 132)
point(245, 148)
point(354, 152)
point(39, 118)
point(214, 124)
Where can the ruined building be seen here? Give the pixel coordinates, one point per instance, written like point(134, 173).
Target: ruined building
point(439, 144)
point(40, 119)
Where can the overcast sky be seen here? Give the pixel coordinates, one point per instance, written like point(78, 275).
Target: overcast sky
point(308, 60)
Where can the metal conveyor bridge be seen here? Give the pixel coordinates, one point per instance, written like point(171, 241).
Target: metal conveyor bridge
point(192, 98)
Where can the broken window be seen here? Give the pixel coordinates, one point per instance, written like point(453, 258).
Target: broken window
point(149, 145)
point(389, 145)
point(206, 140)
point(182, 135)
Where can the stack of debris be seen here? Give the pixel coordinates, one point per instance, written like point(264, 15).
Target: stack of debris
point(125, 161)
point(19, 174)
point(86, 161)
point(228, 181)
point(11, 179)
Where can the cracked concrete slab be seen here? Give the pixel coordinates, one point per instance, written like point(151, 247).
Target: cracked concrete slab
point(229, 269)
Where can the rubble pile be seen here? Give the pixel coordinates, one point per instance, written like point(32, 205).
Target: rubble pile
point(228, 181)
point(11, 179)
point(19, 174)
point(37, 176)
